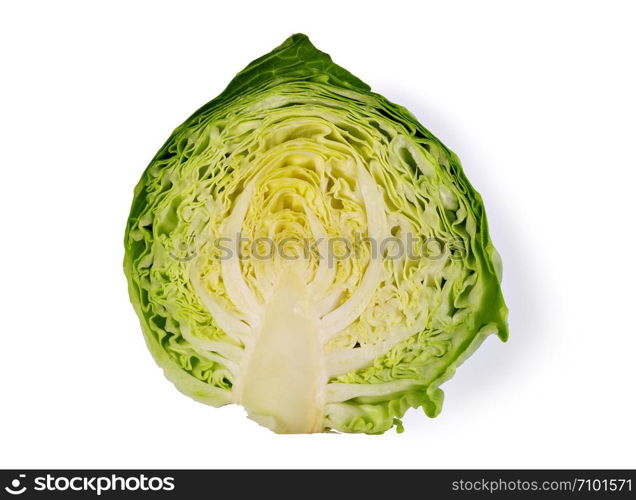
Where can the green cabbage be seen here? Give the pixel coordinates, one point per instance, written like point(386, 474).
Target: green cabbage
point(266, 252)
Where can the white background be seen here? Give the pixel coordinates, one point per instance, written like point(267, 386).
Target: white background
point(537, 99)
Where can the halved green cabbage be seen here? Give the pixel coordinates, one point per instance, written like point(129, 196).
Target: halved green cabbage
point(296, 150)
